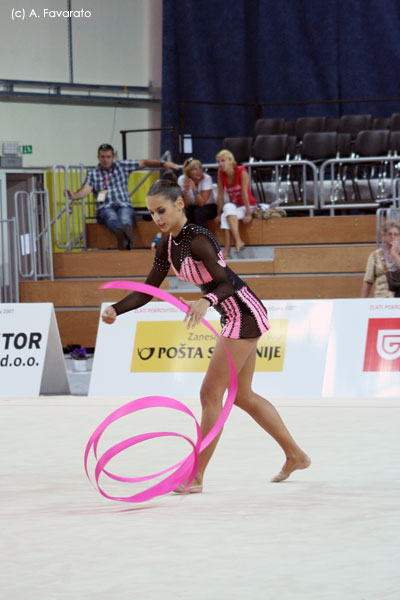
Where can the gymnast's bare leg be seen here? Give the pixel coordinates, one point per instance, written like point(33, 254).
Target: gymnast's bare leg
point(215, 383)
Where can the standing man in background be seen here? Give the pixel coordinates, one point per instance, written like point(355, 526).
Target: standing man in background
point(109, 181)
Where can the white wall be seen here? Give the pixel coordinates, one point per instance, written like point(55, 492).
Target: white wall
point(119, 44)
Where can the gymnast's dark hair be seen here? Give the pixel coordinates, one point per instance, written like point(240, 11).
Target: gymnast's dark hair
point(167, 186)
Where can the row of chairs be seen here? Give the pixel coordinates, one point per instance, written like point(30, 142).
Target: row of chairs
point(328, 164)
point(316, 146)
point(351, 124)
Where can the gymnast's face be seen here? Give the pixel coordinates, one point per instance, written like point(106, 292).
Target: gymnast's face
point(169, 216)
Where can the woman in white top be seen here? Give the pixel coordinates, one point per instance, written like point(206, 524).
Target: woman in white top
point(198, 193)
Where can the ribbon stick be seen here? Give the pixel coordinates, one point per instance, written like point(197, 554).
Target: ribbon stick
point(185, 470)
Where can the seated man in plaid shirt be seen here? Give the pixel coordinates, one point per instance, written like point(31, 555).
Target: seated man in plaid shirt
point(109, 181)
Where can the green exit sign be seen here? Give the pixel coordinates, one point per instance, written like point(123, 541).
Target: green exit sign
point(26, 149)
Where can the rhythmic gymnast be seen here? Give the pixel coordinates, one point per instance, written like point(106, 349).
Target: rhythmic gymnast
point(195, 256)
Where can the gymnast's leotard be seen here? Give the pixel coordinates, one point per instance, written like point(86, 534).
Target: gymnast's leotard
point(196, 257)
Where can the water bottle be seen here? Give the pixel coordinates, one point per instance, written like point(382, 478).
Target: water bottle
point(156, 240)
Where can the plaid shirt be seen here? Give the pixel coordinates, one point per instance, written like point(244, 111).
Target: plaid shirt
point(116, 184)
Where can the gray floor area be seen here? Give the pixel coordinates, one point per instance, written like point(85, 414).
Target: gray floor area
point(329, 532)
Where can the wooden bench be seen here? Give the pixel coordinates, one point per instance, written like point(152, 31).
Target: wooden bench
point(271, 232)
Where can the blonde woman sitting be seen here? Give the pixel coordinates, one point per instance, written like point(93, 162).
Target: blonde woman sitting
point(234, 180)
point(198, 193)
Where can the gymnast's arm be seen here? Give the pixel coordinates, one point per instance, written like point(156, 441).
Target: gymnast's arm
point(204, 250)
point(135, 300)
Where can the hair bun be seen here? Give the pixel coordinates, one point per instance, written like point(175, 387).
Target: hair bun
point(170, 177)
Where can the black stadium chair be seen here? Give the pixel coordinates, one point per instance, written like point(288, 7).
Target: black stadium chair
point(332, 124)
point(289, 127)
point(292, 146)
point(394, 142)
point(354, 123)
point(372, 143)
point(268, 127)
point(381, 123)
point(309, 125)
point(344, 144)
point(319, 146)
point(339, 171)
point(273, 148)
point(394, 149)
point(240, 147)
point(395, 122)
point(270, 147)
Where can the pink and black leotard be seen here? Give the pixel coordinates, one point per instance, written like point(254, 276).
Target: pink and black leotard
point(195, 256)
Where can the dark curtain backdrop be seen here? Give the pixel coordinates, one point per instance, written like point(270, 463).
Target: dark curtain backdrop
point(258, 51)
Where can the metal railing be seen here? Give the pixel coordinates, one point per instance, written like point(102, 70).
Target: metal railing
point(290, 185)
point(9, 289)
point(356, 182)
point(33, 230)
point(173, 130)
point(70, 216)
point(390, 210)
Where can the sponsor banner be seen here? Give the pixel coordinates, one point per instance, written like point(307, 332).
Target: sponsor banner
point(150, 351)
point(382, 350)
point(31, 356)
point(363, 356)
point(169, 347)
point(315, 348)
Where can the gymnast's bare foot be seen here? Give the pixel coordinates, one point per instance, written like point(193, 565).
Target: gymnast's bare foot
point(294, 463)
point(195, 487)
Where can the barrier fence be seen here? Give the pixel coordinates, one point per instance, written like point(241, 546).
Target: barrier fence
point(350, 183)
point(8, 261)
point(33, 231)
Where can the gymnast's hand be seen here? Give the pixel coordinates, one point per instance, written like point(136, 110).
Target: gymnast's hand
point(197, 311)
point(109, 315)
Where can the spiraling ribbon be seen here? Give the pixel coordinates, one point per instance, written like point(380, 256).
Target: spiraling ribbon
point(185, 470)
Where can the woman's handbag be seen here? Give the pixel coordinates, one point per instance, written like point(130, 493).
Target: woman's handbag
point(270, 213)
point(393, 279)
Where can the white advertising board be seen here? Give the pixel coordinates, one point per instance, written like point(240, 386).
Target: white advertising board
point(31, 356)
point(315, 348)
point(150, 351)
point(363, 354)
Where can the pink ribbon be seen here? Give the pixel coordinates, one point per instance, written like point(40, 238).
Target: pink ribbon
point(185, 470)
